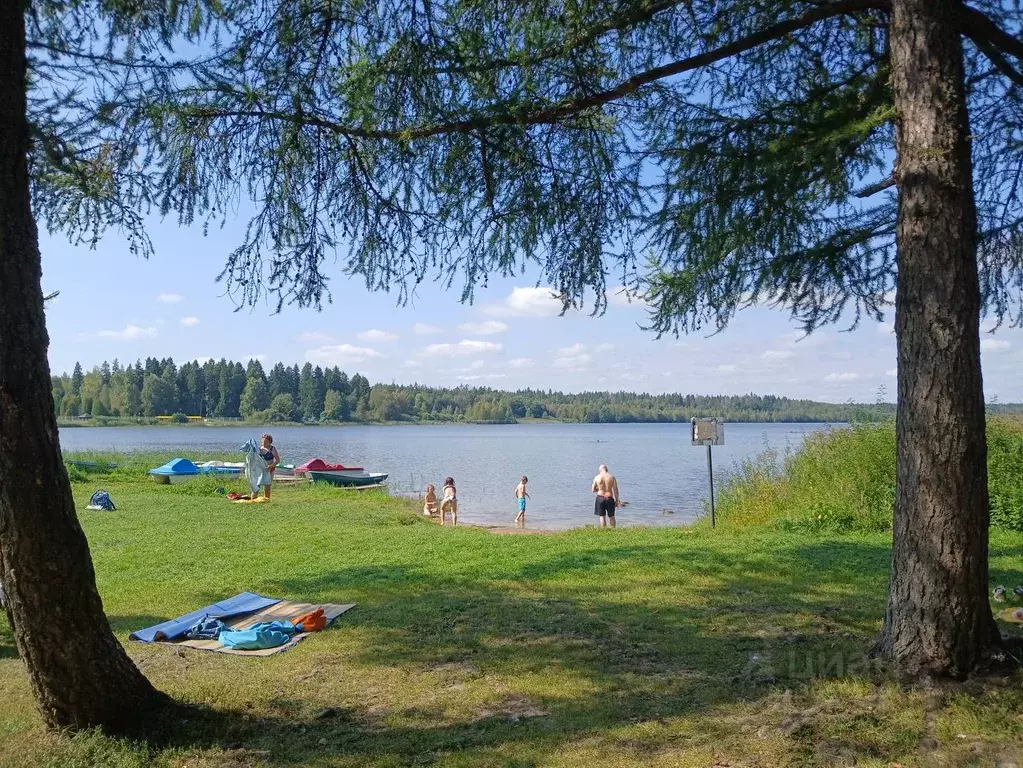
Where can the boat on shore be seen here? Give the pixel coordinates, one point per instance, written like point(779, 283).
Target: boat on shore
point(349, 479)
point(175, 471)
point(323, 468)
point(221, 468)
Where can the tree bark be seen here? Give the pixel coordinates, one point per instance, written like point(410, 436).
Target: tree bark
point(938, 619)
point(80, 674)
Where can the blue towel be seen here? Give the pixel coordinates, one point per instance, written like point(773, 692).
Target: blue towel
point(205, 629)
point(268, 634)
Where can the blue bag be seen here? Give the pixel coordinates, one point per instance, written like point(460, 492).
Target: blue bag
point(101, 500)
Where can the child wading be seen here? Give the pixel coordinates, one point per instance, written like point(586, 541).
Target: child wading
point(450, 502)
point(521, 494)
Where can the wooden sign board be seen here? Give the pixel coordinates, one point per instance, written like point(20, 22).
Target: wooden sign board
point(708, 432)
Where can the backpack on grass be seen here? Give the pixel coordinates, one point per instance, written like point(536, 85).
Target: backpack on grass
point(101, 500)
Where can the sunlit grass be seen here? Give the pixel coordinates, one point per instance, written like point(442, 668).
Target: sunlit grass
point(659, 647)
point(844, 480)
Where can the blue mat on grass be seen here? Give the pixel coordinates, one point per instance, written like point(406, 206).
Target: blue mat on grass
point(246, 602)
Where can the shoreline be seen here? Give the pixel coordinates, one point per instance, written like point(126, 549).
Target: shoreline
point(335, 424)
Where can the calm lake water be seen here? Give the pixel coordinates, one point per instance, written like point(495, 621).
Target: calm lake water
point(656, 466)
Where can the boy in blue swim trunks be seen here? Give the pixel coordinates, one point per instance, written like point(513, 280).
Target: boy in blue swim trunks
point(521, 494)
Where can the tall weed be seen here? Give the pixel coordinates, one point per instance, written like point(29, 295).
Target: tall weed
point(844, 480)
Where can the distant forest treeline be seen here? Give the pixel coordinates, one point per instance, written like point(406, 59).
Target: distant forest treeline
point(227, 390)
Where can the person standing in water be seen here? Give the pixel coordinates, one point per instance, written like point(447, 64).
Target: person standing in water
point(272, 458)
point(605, 485)
point(450, 501)
point(521, 494)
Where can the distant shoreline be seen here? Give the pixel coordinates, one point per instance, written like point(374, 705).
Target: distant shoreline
point(81, 424)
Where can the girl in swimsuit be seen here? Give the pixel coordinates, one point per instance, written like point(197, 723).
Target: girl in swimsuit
point(271, 457)
point(450, 501)
point(430, 502)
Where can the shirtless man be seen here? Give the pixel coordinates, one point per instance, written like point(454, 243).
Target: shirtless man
point(605, 485)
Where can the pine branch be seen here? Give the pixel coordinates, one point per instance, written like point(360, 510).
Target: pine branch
point(556, 113)
point(620, 23)
point(983, 30)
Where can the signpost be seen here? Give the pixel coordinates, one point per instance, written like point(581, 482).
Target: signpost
point(709, 432)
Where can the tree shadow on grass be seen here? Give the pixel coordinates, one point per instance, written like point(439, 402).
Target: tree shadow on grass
point(744, 630)
point(134, 623)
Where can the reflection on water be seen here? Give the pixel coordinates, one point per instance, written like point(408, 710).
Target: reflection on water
point(660, 474)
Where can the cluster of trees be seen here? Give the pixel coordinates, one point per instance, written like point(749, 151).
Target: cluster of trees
point(223, 389)
point(227, 389)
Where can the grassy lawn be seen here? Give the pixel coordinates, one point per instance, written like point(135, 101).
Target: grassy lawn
point(669, 647)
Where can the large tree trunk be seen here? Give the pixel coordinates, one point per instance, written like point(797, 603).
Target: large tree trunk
point(938, 619)
point(79, 672)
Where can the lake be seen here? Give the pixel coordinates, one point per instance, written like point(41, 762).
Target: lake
point(656, 467)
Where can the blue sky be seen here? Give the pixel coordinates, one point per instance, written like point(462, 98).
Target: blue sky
point(115, 305)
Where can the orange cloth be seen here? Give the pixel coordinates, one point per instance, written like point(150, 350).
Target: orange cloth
point(313, 621)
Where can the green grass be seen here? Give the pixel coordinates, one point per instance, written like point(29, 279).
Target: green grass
point(843, 480)
point(635, 647)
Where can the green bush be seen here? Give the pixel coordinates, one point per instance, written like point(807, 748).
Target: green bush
point(1005, 473)
point(179, 418)
point(844, 480)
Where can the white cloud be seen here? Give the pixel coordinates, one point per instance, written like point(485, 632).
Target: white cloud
point(487, 377)
point(994, 345)
point(574, 362)
point(727, 368)
point(464, 348)
point(893, 372)
point(170, 298)
point(573, 358)
point(486, 328)
point(130, 333)
point(316, 337)
point(412, 364)
point(841, 377)
point(528, 302)
point(604, 347)
point(202, 359)
point(190, 322)
point(575, 349)
point(886, 329)
point(375, 334)
point(258, 356)
point(521, 362)
point(772, 355)
point(425, 329)
point(341, 354)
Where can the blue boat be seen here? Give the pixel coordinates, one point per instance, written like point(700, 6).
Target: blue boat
point(175, 471)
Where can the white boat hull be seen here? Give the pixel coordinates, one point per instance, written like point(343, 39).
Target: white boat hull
point(172, 479)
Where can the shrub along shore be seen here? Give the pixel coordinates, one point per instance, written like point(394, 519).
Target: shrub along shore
point(745, 645)
point(843, 480)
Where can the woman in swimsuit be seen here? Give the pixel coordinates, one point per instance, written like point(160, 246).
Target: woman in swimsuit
point(450, 501)
point(271, 457)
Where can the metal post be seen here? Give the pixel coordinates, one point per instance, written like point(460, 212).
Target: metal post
point(710, 475)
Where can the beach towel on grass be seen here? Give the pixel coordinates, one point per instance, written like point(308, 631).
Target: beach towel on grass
point(239, 613)
point(255, 467)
